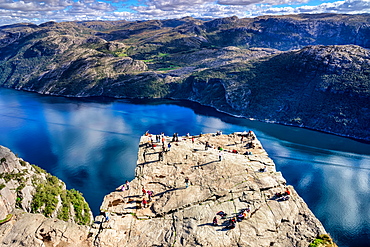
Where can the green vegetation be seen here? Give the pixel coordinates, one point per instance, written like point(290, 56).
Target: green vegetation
point(7, 218)
point(22, 162)
point(81, 208)
point(46, 196)
point(2, 186)
point(323, 240)
point(2, 160)
point(38, 169)
point(13, 176)
point(172, 67)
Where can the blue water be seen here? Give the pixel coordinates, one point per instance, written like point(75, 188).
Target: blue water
point(91, 144)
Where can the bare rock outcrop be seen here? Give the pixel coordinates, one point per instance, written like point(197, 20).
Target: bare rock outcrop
point(191, 183)
point(27, 195)
point(177, 192)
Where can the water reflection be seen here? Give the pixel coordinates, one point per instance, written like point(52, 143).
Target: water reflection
point(93, 147)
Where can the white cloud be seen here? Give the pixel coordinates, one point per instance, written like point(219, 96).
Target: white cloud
point(268, 2)
point(348, 7)
point(38, 11)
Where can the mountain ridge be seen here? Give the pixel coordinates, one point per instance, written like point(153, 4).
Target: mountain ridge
point(303, 70)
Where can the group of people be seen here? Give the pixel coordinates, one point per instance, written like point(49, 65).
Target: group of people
point(125, 186)
point(150, 194)
point(283, 196)
point(231, 223)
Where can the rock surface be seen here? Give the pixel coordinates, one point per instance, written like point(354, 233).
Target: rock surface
point(179, 215)
point(19, 185)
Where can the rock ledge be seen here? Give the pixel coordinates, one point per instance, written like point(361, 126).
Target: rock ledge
point(181, 215)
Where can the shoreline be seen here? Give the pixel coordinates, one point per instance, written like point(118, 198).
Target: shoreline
point(112, 99)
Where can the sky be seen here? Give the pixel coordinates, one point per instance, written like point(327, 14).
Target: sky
point(40, 11)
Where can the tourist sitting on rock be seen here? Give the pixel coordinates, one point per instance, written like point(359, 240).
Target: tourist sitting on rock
point(241, 216)
point(264, 169)
point(231, 223)
point(278, 194)
point(222, 214)
point(234, 151)
point(248, 209)
point(215, 222)
point(284, 198)
point(287, 192)
point(249, 145)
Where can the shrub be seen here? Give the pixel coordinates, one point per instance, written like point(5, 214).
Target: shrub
point(323, 240)
point(46, 195)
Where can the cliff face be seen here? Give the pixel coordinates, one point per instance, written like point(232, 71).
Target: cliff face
point(320, 87)
point(179, 212)
point(242, 66)
point(27, 193)
point(181, 215)
point(294, 31)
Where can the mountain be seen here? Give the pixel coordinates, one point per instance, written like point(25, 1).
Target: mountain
point(302, 70)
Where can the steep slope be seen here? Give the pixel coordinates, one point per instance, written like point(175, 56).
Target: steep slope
point(64, 56)
point(36, 209)
point(174, 218)
point(242, 66)
point(180, 214)
point(29, 188)
point(320, 87)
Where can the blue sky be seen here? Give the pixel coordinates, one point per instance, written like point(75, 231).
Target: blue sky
point(39, 11)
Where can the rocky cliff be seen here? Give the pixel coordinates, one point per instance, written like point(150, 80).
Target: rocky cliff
point(181, 212)
point(319, 87)
point(302, 70)
point(188, 185)
point(27, 195)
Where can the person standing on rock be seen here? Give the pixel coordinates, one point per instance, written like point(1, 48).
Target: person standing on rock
point(186, 182)
point(169, 147)
point(214, 222)
point(143, 190)
point(127, 185)
point(144, 155)
point(206, 146)
point(163, 139)
point(150, 194)
point(106, 215)
point(160, 156)
point(220, 155)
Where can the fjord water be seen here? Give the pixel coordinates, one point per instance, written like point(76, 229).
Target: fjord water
point(92, 144)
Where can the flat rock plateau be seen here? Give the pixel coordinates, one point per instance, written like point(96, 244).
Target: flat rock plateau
point(181, 215)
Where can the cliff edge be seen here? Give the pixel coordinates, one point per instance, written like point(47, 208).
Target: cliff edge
point(193, 180)
point(36, 209)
